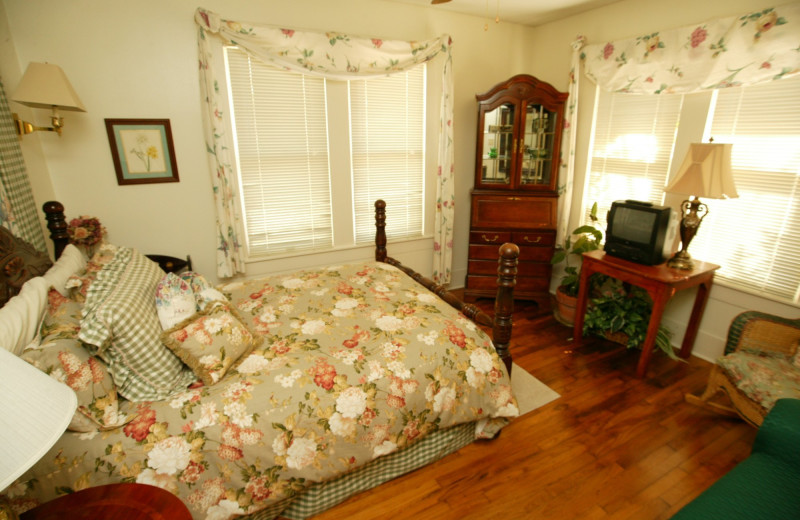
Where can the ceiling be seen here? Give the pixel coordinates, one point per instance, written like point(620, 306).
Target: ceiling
point(523, 12)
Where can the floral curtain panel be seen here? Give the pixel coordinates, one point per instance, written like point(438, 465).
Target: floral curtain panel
point(566, 172)
point(329, 55)
point(728, 52)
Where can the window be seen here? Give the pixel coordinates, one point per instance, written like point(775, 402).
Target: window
point(631, 149)
point(388, 152)
point(313, 155)
point(755, 238)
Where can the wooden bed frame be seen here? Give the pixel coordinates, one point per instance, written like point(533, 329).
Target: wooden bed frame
point(500, 324)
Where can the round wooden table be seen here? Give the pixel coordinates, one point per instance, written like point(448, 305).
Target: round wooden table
point(113, 502)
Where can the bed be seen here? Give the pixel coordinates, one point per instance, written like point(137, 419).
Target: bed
point(276, 396)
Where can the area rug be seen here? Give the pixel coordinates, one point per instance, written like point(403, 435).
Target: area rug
point(529, 391)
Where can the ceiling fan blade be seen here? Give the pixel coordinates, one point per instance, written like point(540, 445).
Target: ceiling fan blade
point(434, 2)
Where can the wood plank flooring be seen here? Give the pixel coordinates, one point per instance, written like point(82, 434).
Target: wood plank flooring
point(611, 447)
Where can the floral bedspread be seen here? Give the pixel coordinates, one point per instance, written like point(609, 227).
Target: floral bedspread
point(356, 362)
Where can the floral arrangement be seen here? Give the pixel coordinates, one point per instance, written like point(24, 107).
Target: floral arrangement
point(85, 231)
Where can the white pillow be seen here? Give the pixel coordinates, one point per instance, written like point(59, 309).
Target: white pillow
point(72, 261)
point(21, 315)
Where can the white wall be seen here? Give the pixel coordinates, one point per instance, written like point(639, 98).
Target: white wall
point(139, 60)
point(549, 49)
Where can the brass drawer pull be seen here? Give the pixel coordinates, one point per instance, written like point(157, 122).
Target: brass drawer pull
point(528, 240)
point(514, 198)
point(493, 239)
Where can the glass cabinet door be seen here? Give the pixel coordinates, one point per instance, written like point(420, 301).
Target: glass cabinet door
point(537, 145)
point(498, 146)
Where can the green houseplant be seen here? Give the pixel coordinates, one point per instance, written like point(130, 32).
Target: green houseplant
point(583, 239)
point(621, 313)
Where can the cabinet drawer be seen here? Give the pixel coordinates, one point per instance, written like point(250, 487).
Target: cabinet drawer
point(533, 238)
point(489, 268)
point(488, 252)
point(523, 284)
point(489, 237)
point(535, 254)
point(513, 211)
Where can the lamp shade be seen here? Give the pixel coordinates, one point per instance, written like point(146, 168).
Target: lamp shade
point(45, 85)
point(35, 409)
point(706, 172)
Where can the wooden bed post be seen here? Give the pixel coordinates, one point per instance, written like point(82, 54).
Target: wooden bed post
point(57, 224)
point(504, 302)
point(380, 231)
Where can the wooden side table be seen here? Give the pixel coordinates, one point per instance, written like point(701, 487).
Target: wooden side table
point(661, 283)
point(113, 502)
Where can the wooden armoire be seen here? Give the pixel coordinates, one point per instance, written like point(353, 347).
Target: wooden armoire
point(515, 196)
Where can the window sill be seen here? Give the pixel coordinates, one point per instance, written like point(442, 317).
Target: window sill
point(413, 249)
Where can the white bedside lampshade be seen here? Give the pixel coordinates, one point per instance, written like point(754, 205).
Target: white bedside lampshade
point(35, 409)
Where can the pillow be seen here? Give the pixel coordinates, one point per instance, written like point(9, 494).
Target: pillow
point(21, 315)
point(64, 358)
point(212, 341)
point(174, 301)
point(121, 324)
point(78, 284)
point(71, 262)
point(203, 292)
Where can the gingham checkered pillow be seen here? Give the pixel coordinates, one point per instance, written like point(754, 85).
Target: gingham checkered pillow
point(120, 320)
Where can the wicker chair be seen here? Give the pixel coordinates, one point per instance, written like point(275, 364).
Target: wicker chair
point(761, 365)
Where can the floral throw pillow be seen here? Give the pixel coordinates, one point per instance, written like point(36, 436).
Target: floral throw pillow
point(62, 356)
point(203, 292)
point(212, 341)
point(174, 301)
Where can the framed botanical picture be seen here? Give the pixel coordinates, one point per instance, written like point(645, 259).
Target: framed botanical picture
point(142, 150)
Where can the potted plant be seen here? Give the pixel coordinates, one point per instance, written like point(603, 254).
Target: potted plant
point(621, 314)
point(583, 239)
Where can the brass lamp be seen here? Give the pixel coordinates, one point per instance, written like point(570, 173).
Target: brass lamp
point(705, 172)
point(45, 85)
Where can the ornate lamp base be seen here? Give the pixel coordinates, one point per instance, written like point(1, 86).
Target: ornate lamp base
point(681, 260)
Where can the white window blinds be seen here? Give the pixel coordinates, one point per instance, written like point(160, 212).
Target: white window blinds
point(280, 130)
point(756, 238)
point(387, 125)
point(632, 146)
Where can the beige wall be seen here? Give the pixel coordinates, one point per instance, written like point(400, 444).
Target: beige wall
point(139, 60)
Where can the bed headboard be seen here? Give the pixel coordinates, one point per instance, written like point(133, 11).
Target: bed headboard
point(19, 262)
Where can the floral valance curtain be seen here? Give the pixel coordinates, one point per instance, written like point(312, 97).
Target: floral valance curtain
point(734, 51)
point(329, 55)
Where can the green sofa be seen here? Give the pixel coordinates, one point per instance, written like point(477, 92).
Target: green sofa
point(766, 485)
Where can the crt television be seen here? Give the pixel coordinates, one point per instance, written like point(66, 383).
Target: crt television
point(640, 231)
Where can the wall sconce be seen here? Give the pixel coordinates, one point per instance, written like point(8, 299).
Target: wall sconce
point(45, 85)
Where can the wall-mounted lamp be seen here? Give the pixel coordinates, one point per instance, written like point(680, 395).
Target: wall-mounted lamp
point(45, 85)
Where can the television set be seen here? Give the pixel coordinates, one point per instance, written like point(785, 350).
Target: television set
point(641, 231)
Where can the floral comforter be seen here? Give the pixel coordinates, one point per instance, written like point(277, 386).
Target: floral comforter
point(356, 362)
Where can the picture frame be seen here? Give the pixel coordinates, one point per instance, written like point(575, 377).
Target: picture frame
point(142, 151)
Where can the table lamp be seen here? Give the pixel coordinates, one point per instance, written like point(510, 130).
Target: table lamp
point(35, 409)
point(705, 172)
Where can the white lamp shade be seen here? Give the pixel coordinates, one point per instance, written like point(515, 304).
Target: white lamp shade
point(35, 409)
point(45, 85)
point(706, 172)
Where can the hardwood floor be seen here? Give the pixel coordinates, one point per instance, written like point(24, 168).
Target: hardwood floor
point(611, 447)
